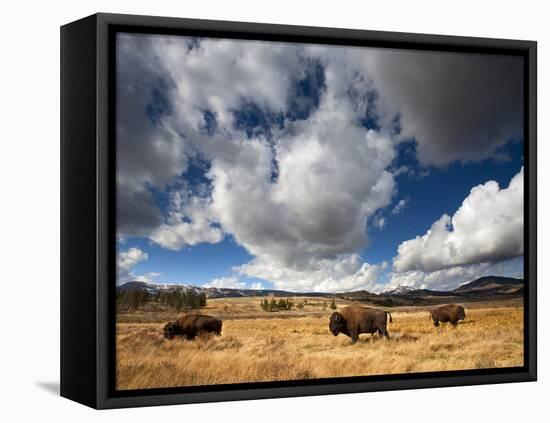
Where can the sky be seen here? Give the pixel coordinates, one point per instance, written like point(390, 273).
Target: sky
point(251, 164)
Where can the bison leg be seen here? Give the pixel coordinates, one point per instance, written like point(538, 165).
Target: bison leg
point(386, 334)
point(436, 322)
point(454, 322)
point(354, 336)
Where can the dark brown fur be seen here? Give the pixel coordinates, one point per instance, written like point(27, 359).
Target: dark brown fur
point(448, 313)
point(354, 320)
point(191, 325)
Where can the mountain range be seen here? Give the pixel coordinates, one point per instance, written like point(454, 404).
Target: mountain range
point(212, 292)
point(481, 288)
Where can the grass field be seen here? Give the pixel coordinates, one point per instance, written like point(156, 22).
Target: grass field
point(258, 346)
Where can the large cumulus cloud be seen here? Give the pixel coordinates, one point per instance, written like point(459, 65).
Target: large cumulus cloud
point(488, 227)
point(315, 210)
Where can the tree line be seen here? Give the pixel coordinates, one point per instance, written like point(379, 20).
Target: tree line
point(287, 304)
point(132, 300)
point(274, 305)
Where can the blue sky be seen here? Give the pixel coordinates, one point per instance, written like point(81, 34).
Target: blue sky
point(301, 167)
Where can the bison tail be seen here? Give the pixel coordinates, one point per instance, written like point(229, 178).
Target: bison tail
point(389, 314)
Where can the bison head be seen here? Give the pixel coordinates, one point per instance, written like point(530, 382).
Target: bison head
point(337, 323)
point(169, 330)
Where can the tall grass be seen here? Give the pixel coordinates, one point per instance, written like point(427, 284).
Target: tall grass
point(275, 349)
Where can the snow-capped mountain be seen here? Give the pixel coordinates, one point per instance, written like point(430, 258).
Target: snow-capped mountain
point(398, 290)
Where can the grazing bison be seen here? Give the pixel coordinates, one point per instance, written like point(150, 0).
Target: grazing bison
point(448, 313)
point(354, 320)
point(191, 325)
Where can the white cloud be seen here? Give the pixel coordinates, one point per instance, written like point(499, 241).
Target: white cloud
point(346, 273)
point(379, 222)
point(318, 207)
point(256, 285)
point(402, 170)
point(255, 71)
point(189, 223)
point(400, 206)
point(164, 88)
point(232, 282)
point(488, 227)
point(127, 260)
point(226, 282)
point(150, 277)
point(451, 278)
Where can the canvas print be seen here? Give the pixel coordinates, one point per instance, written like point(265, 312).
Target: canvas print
point(292, 211)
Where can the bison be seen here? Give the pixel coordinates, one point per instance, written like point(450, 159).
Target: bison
point(354, 320)
point(191, 325)
point(448, 313)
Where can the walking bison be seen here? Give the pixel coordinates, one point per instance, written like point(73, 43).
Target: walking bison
point(191, 325)
point(354, 320)
point(448, 313)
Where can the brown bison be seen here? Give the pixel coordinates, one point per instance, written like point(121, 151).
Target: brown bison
point(448, 313)
point(354, 320)
point(191, 325)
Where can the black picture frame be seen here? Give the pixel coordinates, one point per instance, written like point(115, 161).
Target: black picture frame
point(88, 210)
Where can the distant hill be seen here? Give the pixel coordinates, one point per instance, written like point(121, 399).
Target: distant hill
point(482, 288)
point(491, 285)
point(485, 288)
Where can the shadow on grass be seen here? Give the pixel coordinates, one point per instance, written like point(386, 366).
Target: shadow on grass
point(394, 337)
point(447, 324)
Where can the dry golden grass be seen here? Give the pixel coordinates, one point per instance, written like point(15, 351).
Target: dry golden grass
point(285, 348)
